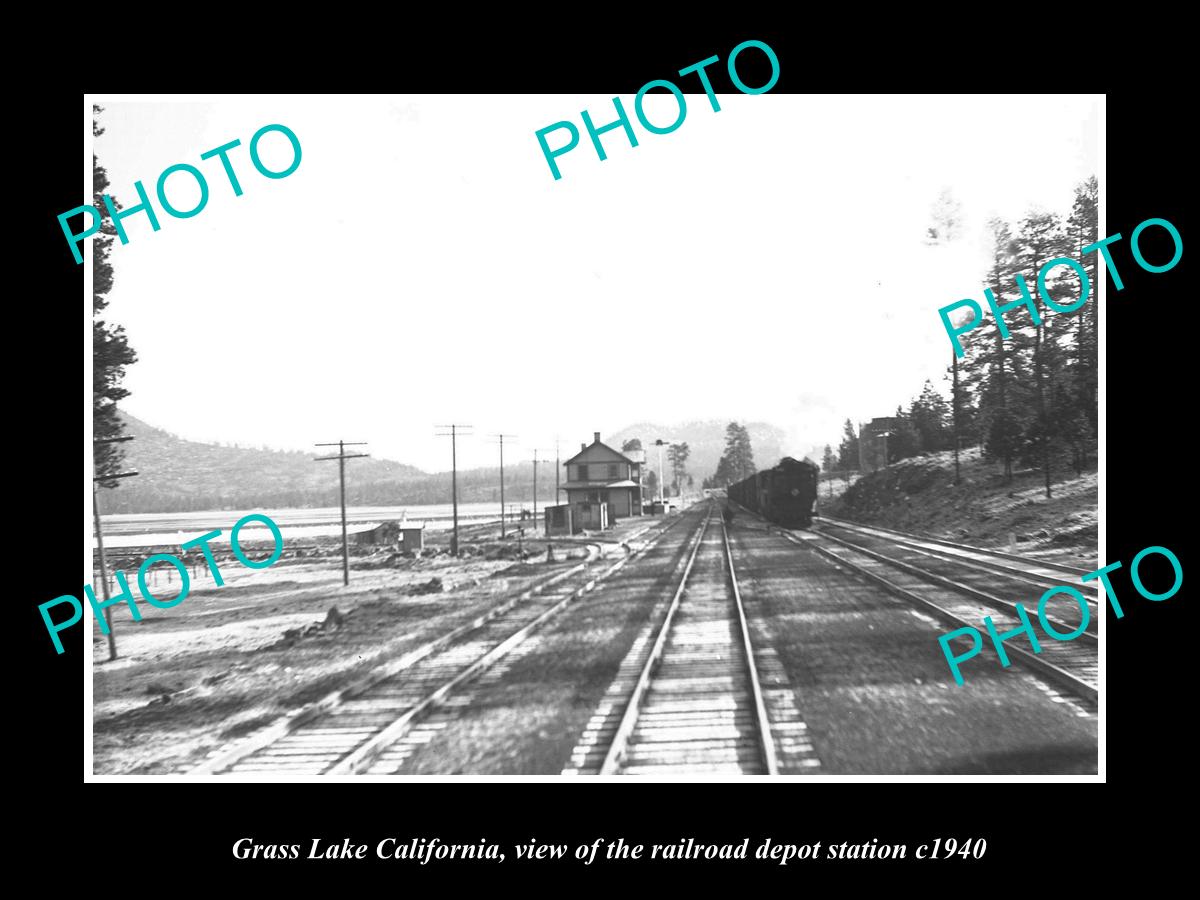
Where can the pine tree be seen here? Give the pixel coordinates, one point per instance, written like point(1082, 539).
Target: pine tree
point(678, 455)
point(929, 415)
point(111, 352)
point(848, 455)
point(1082, 230)
point(903, 440)
point(993, 367)
point(1039, 240)
point(737, 462)
point(828, 462)
point(745, 451)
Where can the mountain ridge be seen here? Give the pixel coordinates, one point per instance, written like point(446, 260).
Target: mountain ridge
point(179, 475)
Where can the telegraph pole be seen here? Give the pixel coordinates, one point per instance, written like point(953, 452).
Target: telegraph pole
point(112, 641)
point(453, 435)
point(502, 437)
point(659, 442)
point(954, 364)
point(535, 468)
point(557, 472)
point(341, 458)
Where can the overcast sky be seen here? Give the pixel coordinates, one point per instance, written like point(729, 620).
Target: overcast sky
point(422, 266)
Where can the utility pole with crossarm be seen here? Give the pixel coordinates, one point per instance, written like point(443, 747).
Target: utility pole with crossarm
point(341, 458)
point(453, 433)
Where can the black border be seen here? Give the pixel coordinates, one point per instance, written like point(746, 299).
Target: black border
point(191, 835)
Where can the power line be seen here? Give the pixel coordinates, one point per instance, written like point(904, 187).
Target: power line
point(557, 473)
point(453, 435)
point(535, 470)
point(341, 458)
point(501, 441)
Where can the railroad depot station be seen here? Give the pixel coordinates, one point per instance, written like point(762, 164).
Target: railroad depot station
point(603, 485)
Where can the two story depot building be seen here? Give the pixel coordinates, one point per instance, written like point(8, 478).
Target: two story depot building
point(602, 486)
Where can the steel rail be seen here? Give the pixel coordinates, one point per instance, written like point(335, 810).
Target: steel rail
point(971, 562)
point(1048, 670)
point(620, 739)
point(291, 722)
point(991, 600)
point(1028, 560)
point(760, 708)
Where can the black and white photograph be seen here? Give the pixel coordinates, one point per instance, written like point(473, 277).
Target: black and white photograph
point(529, 436)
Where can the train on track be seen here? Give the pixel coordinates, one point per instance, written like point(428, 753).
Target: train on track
point(785, 494)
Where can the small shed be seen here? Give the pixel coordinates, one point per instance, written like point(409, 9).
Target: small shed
point(412, 538)
point(559, 519)
point(590, 516)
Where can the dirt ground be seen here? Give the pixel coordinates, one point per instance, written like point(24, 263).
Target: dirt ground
point(919, 495)
point(231, 659)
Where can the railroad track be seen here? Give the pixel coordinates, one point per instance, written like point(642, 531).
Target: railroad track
point(1070, 665)
point(345, 732)
point(697, 705)
point(1035, 571)
point(991, 585)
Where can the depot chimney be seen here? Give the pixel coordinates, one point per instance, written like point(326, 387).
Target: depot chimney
point(595, 437)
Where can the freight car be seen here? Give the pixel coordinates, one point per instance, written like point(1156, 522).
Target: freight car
point(784, 494)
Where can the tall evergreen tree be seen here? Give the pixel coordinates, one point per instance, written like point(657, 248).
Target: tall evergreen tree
point(678, 455)
point(930, 416)
point(111, 352)
point(993, 367)
point(745, 451)
point(829, 462)
point(848, 455)
point(1082, 230)
point(737, 462)
point(1039, 240)
point(902, 441)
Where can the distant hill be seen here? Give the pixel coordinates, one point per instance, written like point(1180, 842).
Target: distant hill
point(705, 440)
point(177, 475)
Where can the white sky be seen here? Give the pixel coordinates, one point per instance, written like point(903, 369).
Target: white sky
point(761, 263)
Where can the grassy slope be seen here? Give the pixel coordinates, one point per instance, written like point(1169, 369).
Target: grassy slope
point(919, 495)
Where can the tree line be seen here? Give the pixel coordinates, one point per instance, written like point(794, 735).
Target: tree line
point(111, 352)
point(1029, 398)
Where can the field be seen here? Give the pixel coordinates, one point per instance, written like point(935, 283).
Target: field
point(435, 517)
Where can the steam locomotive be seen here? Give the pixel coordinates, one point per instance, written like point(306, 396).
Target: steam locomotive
point(784, 494)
